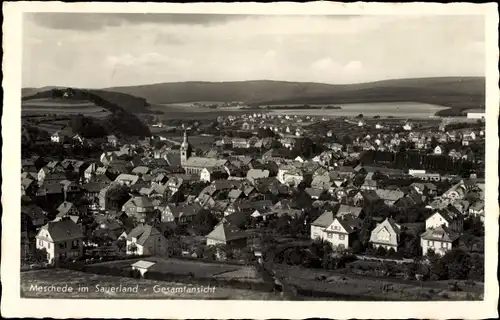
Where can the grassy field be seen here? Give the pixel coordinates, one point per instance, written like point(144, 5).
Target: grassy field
point(58, 106)
point(335, 282)
point(186, 267)
point(145, 288)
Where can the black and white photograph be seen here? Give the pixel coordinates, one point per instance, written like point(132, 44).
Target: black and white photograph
point(270, 155)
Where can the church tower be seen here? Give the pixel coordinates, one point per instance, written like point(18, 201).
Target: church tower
point(185, 149)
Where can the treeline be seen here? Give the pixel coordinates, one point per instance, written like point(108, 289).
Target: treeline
point(414, 160)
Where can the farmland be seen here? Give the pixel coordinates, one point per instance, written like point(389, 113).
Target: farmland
point(145, 288)
point(43, 106)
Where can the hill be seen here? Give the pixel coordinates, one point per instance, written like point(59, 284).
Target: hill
point(458, 93)
point(121, 108)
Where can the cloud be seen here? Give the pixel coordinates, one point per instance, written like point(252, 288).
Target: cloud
point(99, 21)
point(322, 64)
point(168, 38)
point(151, 59)
point(353, 66)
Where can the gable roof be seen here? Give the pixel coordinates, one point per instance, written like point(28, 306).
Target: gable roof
point(142, 233)
point(349, 222)
point(127, 178)
point(142, 202)
point(324, 220)
point(345, 210)
point(440, 233)
point(62, 230)
point(390, 195)
point(389, 224)
point(226, 232)
point(64, 208)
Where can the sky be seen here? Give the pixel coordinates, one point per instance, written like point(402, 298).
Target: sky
point(99, 50)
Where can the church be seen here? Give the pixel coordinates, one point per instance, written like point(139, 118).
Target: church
point(194, 165)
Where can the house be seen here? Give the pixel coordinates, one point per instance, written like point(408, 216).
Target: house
point(227, 234)
point(255, 174)
point(240, 143)
point(345, 210)
point(35, 215)
point(407, 126)
point(449, 217)
point(293, 177)
point(438, 150)
point(456, 192)
point(112, 140)
point(314, 193)
point(142, 266)
point(439, 240)
point(67, 209)
point(389, 196)
point(386, 234)
point(339, 231)
point(138, 207)
point(140, 170)
point(477, 209)
point(174, 184)
point(57, 137)
point(183, 213)
point(213, 173)
point(127, 179)
point(61, 239)
point(322, 182)
point(146, 240)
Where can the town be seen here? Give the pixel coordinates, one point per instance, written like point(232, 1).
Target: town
point(311, 204)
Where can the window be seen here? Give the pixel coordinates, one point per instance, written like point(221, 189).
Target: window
point(329, 235)
point(428, 242)
point(48, 245)
point(341, 237)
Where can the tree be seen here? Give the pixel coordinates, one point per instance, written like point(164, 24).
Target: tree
point(265, 133)
point(357, 247)
point(359, 116)
point(204, 222)
point(458, 263)
point(132, 248)
point(381, 251)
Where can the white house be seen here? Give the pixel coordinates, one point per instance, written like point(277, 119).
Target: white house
point(386, 234)
point(438, 150)
point(56, 137)
point(439, 240)
point(449, 217)
point(339, 231)
point(61, 239)
point(407, 126)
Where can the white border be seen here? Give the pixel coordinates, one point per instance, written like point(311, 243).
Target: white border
point(13, 306)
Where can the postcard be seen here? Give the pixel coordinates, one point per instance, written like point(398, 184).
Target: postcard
point(250, 160)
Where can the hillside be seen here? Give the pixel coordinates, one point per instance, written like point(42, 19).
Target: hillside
point(119, 119)
point(109, 100)
point(454, 92)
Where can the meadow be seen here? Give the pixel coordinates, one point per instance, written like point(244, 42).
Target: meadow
point(43, 106)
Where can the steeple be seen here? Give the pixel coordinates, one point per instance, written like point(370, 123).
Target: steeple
point(185, 149)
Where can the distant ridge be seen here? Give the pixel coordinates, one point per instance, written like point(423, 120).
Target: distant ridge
point(453, 92)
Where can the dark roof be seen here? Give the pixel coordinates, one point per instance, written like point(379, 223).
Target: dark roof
point(63, 230)
point(94, 187)
point(142, 233)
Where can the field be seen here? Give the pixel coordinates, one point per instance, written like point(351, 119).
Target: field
point(185, 267)
point(373, 288)
point(146, 289)
point(57, 106)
